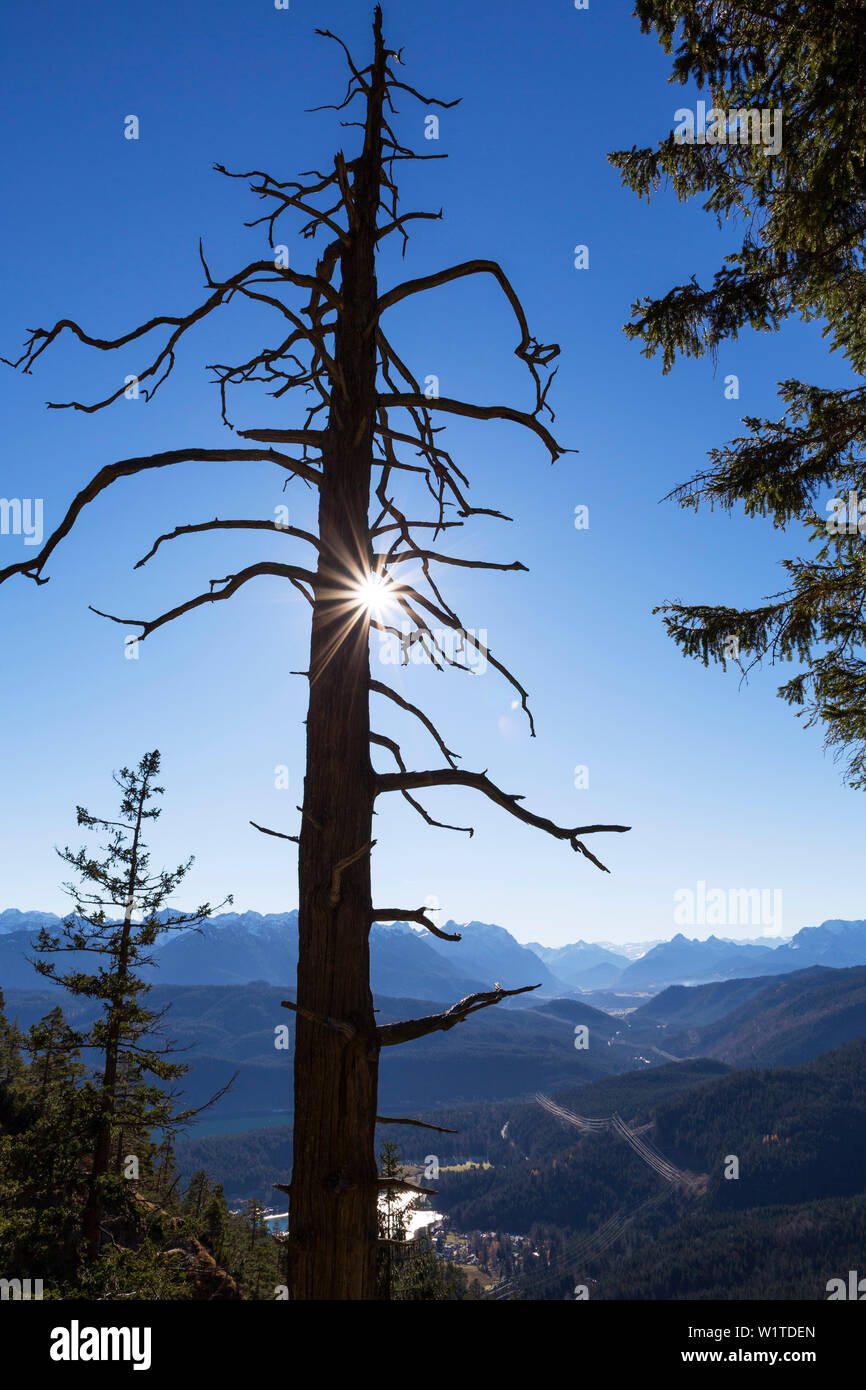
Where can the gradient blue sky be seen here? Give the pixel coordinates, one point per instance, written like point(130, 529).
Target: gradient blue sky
point(719, 783)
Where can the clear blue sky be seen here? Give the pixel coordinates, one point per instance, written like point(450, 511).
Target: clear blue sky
point(720, 784)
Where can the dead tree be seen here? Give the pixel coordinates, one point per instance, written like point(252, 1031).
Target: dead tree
point(369, 431)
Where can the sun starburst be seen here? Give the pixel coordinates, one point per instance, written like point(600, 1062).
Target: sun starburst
point(377, 593)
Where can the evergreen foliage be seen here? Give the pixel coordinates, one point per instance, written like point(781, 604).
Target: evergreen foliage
point(803, 220)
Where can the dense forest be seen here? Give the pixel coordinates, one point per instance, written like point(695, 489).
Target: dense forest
point(557, 1206)
point(164, 1235)
point(537, 1205)
point(162, 1238)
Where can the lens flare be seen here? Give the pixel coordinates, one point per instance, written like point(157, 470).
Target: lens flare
point(377, 594)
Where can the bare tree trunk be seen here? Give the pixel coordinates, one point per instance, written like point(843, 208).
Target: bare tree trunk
point(334, 1179)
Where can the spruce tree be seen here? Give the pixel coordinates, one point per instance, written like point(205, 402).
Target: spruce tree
point(197, 1195)
point(215, 1223)
point(54, 1050)
point(803, 215)
point(135, 1057)
point(391, 1216)
point(409, 1268)
point(11, 1043)
point(45, 1138)
point(260, 1267)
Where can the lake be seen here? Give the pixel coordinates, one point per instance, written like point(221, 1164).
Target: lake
point(418, 1220)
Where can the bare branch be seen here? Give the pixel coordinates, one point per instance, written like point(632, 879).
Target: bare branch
point(231, 584)
point(421, 1124)
point(342, 864)
point(402, 914)
point(125, 469)
point(164, 360)
point(419, 714)
point(393, 747)
point(415, 553)
point(457, 777)
point(478, 412)
point(403, 1185)
point(397, 224)
point(356, 73)
point(438, 824)
point(347, 1029)
point(379, 530)
point(304, 593)
point(312, 437)
point(392, 1034)
point(404, 592)
point(427, 101)
point(217, 525)
point(277, 833)
point(271, 188)
point(406, 640)
point(529, 350)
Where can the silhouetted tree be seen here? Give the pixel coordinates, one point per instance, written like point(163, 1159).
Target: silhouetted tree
point(125, 1035)
point(335, 348)
point(793, 72)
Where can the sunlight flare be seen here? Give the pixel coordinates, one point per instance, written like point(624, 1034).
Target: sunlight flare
point(377, 593)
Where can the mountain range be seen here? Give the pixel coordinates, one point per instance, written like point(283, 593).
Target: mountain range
point(779, 1022)
point(237, 948)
